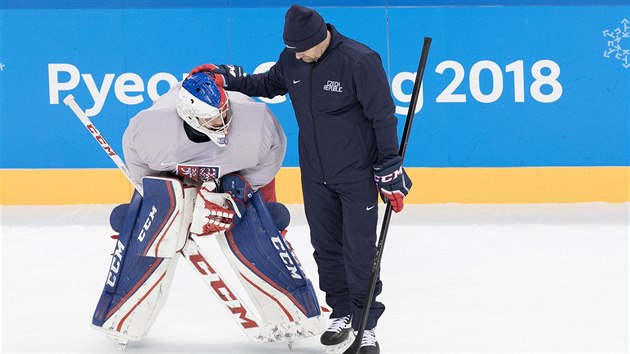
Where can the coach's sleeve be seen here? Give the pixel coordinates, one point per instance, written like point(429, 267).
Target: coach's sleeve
point(268, 84)
point(373, 93)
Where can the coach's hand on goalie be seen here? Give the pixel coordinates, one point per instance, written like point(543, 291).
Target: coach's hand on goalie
point(393, 182)
point(214, 212)
point(225, 75)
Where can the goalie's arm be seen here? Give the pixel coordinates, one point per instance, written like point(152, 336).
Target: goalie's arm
point(273, 146)
point(135, 163)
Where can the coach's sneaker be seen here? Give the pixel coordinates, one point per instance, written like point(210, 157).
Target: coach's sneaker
point(338, 331)
point(369, 345)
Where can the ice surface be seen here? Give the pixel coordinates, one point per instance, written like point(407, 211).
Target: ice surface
point(536, 278)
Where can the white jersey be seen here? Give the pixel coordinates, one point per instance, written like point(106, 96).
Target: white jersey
point(155, 143)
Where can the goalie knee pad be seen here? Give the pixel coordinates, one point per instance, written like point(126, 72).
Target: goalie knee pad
point(280, 214)
point(153, 229)
point(117, 216)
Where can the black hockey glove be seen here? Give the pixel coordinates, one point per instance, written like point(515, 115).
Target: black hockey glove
point(225, 75)
point(393, 182)
point(232, 75)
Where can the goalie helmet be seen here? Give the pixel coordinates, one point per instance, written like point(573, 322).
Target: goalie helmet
point(205, 107)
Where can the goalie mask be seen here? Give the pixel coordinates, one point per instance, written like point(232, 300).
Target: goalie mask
point(205, 107)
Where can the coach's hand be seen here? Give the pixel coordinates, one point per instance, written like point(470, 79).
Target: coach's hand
point(392, 182)
point(226, 75)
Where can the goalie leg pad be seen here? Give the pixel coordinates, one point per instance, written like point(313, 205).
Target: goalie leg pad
point(267, 266)
point(164, 217)
point(142, 264)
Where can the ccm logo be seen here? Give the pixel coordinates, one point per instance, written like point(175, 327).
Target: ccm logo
point(147, 223)
point(284, 255)
point(115, 266)
point(390, 177)
point(101, 140)
point(222, 290)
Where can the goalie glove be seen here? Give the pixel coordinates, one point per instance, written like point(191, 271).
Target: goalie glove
point(392, 182)
point(214, 212)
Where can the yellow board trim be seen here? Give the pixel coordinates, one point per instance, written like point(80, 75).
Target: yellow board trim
point(431, 185)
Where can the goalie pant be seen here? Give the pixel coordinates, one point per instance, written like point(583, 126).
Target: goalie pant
point(144, 260)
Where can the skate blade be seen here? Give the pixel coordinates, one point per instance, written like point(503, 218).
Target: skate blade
point(341, 347)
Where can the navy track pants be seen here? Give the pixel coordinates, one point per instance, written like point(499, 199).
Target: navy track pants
point(342, 218)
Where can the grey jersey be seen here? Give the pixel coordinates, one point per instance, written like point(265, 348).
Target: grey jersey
point(155, 143)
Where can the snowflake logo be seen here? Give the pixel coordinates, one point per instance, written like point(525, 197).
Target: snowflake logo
point(615, 37)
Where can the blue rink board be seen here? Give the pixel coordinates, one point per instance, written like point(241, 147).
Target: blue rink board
point(110, 4)
point(586, 125)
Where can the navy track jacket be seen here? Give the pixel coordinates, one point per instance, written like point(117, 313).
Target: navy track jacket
point(343, 107)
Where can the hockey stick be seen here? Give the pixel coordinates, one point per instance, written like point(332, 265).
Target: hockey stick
point(376, 266)
point(70, 102)
point(253, 327)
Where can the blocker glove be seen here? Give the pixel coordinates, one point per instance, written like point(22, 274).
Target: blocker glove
point(225, 75)
point(213, 211)
point(392, 182)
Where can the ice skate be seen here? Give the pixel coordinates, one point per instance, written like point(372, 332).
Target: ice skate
point(339, 335)
point(369, 345)
point(342, 347)
point(338, 331)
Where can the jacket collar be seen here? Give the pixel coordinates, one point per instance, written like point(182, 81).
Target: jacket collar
point(335, 39)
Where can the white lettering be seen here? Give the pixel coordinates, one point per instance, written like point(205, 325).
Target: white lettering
point(277, 243)
point(397, 91)
point(147, 223)
point(54, 86)
point(155, 79)
point(123, 84)
point(286, 258)
point(99, 96)
point(546, 88)
point(121, 88)
point(334, 86)
point(115, 266)
point(448, 95)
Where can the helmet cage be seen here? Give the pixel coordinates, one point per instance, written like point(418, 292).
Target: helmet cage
point(205, 107)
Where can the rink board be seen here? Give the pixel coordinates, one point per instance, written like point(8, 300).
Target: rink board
point(431, 185)
point(534, 94)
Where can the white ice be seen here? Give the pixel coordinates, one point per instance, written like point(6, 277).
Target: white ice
point(538, 278)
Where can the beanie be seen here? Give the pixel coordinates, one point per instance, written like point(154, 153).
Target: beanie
point(304, 28)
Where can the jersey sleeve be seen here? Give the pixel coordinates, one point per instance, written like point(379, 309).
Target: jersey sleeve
point(271, 154)
point(373, 93)
point(137, 167)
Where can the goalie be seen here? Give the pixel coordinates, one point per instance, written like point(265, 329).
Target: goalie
point(207, 165)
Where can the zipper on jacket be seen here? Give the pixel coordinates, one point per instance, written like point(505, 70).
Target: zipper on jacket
point(319, 157)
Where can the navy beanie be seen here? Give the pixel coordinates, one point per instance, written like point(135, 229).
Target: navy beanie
point(304, 28)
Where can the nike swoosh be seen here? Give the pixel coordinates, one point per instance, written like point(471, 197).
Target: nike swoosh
point(296, 81)
point(288, 46)
point(370, 207)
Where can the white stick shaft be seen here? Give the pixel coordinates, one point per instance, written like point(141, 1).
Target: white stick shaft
point(70, 102)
